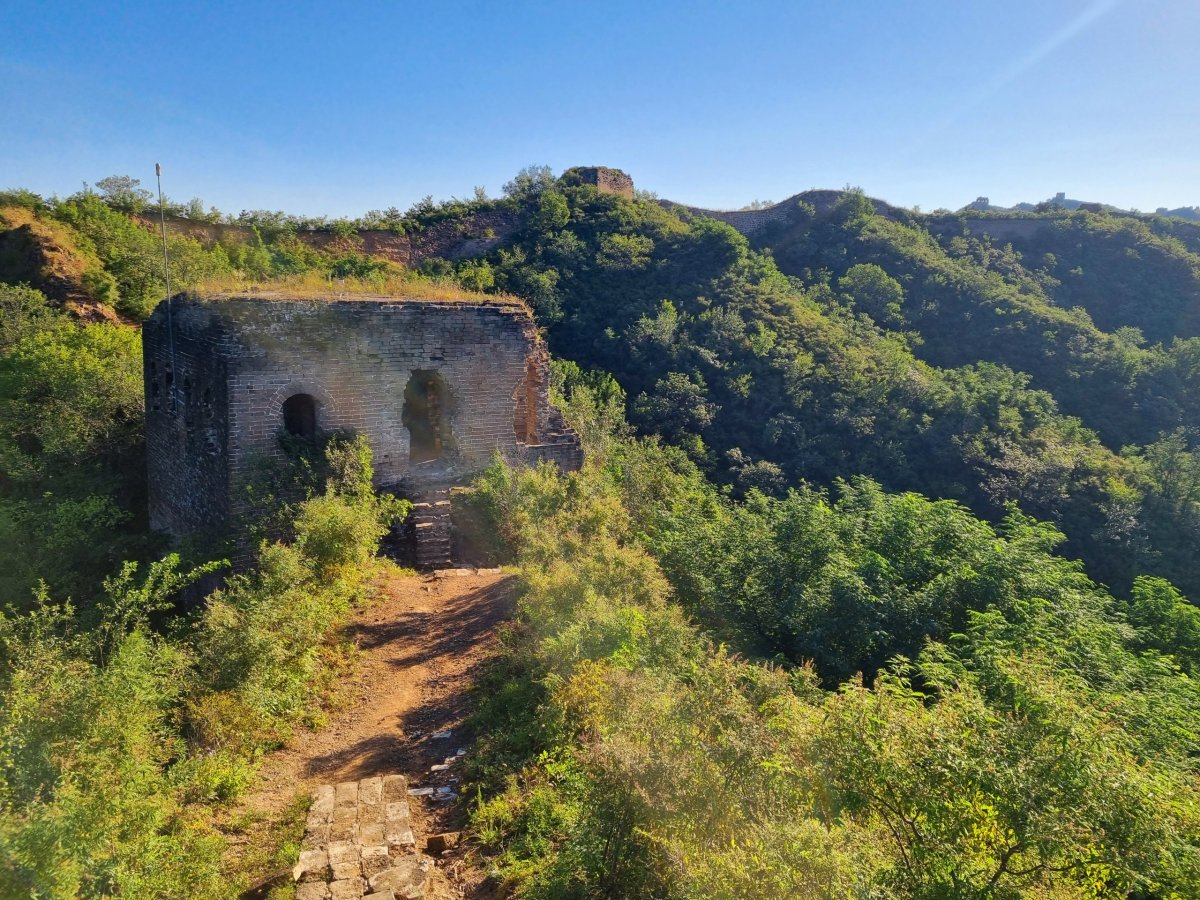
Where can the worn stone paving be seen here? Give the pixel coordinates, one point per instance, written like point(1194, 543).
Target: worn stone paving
point(359, 842)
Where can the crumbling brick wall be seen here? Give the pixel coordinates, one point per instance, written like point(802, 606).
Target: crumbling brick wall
point(219, 370)
point(604, 179)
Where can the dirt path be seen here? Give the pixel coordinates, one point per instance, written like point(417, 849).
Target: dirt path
point(421, 646)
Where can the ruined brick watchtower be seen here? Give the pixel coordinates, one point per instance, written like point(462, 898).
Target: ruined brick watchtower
point(435, 386)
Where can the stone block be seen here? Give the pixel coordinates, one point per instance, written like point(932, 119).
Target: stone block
point(312, 866)
point(344, 860)
point(447, 840)
point(396, 811)
point(347, 889)
point(374, 860)
point(321, 808)
point(408, 877)
point(370, 791)
point(346, 794)
point(371, 835)
point(399, 835)
point(313, 890)
point(316, 837)
point(370, 813)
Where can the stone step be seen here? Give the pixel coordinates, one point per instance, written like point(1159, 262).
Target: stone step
point(431, 524)
point(358, 839)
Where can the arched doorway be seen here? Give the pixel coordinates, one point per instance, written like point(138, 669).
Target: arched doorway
point(300, 415)
point(425, 416)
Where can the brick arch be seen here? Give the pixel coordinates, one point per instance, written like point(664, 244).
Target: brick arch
point(324, 400)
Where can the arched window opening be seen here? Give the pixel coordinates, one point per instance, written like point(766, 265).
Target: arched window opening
point(425, 416)
point(300, 415)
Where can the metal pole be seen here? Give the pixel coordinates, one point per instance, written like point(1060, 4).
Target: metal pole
point(162, 221)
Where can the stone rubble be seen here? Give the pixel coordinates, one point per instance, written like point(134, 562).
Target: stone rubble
point(358, 842)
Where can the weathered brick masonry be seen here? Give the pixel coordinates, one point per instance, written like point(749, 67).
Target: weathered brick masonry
point(220, 370)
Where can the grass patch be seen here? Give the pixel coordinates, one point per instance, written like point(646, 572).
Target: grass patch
point(392, 283)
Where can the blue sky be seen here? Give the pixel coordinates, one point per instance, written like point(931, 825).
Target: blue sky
point(337, 108)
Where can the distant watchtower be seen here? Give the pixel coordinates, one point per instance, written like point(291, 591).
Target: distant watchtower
point(605, 180)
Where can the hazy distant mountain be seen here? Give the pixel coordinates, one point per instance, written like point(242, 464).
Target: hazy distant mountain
point(1192, 213)
point(1062, 201)
point(1058, 201)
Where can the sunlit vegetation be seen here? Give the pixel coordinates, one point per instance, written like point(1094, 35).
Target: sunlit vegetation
point(126, 714)
point(848, 343)
point(123, 724)
point(877, 582)
point(868, 695)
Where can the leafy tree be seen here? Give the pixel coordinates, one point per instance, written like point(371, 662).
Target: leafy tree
point(552, 211)
point(124, 193)
point(529, 182)
point(677, 407)
point(1166, 622)
point(875, 292)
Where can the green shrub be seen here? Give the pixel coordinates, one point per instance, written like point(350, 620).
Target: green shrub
point(115, 740)
point(335, 534)
point(1028, 752)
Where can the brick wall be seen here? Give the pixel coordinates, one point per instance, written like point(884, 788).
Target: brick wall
point(748, 221)
point(241, 358)
point(187, 435)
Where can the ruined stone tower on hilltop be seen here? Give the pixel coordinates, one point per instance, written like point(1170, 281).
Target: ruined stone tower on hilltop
point(603, 178)
point(436, 387)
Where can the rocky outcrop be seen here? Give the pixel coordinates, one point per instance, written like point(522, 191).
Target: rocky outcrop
point(43, 255)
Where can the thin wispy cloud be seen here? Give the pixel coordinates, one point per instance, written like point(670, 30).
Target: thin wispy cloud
point(1010, 73)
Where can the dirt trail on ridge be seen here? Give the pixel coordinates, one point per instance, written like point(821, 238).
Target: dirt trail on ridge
point(421, 646)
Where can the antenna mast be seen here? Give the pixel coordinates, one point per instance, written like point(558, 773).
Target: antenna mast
point(162, 221)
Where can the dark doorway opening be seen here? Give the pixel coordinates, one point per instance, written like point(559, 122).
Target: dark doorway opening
point(425, 416)
point(300, 415)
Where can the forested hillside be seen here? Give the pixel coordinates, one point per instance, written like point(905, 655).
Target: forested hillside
point(852, 342)
point(875, 584)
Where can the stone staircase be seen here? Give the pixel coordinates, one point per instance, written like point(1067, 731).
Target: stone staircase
point(358, 841)
point(431, 525)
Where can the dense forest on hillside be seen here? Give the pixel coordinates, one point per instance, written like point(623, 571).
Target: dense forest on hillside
point(852, 342)
point(1019, 736)
point(876, 582)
